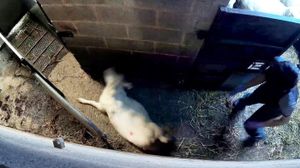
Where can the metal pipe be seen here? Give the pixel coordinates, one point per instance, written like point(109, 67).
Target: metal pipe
point(71, 109)
point(13, 49)
point(57, 94)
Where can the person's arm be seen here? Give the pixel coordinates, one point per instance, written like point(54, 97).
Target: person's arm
point(277, 121)
point(258, 79)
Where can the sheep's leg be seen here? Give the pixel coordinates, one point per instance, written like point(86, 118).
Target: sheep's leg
point(92, 103)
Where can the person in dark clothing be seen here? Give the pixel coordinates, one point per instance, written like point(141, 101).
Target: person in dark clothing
point(278, 93)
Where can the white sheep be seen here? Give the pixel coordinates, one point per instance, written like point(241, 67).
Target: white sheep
point(266, 6)
point(294, 7)
point(231, 3)
point(290, 3)
point(128, 116)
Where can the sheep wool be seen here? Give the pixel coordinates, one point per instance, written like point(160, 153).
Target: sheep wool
point(266, 6)
point(127, 116)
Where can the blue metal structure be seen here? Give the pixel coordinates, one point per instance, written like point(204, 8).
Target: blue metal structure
point(239, 38)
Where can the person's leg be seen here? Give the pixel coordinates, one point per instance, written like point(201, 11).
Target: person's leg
point(297, 47)
point(253, 124)
point(255, 133)
point(257, 96)
point(240, 104)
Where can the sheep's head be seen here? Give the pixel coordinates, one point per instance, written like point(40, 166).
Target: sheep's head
point(111, 77)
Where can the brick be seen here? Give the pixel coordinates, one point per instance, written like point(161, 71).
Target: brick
point(85, 41)
point(146, 60)
point(175, 5)
point(126, 15)
point(101, 30)
point(159, 61)
point(84, 1)
point(174, 20)
point(130, 45)
point(65, 26)
point(154, 34)
point(104, 52)
point(191, 51)
point(114, 2)
point(201, 7)
point(164, 48)
point(219, 3)
point(192, 44)
point(58, 12)
point(106, 2)
point(202, 25)
point(191, 39)
point(50, 1)
point(205, 11)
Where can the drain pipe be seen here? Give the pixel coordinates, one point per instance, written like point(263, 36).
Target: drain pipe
point(56, 94)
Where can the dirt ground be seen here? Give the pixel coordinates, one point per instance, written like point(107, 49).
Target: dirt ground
point(24, 105)
point(195, 117)
point(75, 83)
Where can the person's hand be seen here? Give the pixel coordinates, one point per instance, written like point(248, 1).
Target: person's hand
point(254, 124)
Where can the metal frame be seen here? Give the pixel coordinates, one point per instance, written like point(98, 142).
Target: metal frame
point(56, 93)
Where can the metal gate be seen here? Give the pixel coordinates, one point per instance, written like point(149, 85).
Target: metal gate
point(239, 38)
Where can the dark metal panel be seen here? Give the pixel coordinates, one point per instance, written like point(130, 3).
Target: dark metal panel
point(11, 13)
point(255, 27)
point(239, 37)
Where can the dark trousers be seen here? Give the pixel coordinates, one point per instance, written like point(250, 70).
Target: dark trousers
point(264, 113)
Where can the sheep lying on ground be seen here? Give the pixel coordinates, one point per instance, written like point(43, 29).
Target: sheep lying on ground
point(128, 116)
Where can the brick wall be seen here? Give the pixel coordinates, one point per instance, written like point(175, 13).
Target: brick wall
point(141, 27)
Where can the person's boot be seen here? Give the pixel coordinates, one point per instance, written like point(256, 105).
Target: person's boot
point(249, 142)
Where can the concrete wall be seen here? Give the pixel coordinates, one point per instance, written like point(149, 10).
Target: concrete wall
point(20, 149)
point(139, 27)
